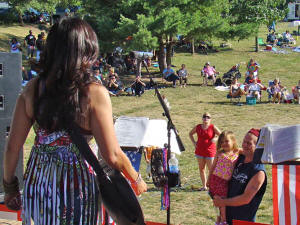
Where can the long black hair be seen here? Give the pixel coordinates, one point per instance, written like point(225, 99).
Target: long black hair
point(70, 51)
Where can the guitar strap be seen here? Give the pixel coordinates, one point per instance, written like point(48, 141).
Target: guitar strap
point(84, 149)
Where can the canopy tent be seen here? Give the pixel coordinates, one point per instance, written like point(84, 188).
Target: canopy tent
point(295, 24)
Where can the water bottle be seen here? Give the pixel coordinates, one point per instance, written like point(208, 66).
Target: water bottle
point(173, 164)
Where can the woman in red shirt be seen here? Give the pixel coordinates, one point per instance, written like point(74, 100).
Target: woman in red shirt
point(205, 146)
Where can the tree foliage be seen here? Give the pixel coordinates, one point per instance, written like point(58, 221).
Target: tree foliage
point(143, 25)
point(243, 18)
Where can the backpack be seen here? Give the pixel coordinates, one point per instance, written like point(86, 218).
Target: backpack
point(218, 82)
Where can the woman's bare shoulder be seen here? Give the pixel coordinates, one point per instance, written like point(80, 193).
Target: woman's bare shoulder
point(29, 89)
point(96, 92)
point(95, 88)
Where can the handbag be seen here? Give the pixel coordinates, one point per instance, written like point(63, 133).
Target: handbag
point(116, 194)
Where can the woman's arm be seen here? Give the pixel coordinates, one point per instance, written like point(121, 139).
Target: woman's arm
point(101, 123)
point(20, 127)
point(261, 85)
point(217, 131)
point(191, 135)
point(230, 90)
point(250, 191)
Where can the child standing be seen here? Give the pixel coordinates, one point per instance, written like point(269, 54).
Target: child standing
point(147, 152)
point(222, 168)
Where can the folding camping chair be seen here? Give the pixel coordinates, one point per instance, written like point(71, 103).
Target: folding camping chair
point(261, 42)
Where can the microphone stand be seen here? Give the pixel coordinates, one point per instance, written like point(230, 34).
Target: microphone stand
point(170, 127)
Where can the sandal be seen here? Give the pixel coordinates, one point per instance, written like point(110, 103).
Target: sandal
point(203, 189)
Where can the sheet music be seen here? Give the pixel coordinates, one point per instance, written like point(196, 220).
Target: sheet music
point(130, 131)
point(282, 143)
point(156, 135)
point(140, 131)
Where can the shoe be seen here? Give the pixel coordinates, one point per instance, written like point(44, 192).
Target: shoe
point(203, 189)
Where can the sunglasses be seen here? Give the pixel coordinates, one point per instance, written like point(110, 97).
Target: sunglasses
point(206, 117)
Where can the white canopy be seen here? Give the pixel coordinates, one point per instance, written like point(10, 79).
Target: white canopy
point(294, 23)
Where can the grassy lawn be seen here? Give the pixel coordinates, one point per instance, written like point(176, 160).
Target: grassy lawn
point(187, 106)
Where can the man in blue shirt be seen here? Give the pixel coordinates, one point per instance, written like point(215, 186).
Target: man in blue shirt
point(247, 185)
point(169, 75)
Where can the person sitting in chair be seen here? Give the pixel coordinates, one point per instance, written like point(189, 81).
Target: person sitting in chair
point(209, 73)
point(249, 78)
point(276, 91)
point(236, 90)
point(296, 92)
point(169, 75)
point(272, 39)
point(254, 89)
point(182, 73)
point(287, 37)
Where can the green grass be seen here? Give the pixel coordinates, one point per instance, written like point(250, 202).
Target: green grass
point(187, 106)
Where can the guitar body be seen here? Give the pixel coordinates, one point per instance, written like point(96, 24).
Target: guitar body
point(116, 194)
point(118, 197)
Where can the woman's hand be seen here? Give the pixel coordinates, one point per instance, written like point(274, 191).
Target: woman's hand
point(207, 183)
point(139, 186)
point(12, 197)
point(218, 201)
point(13, 201)
point(195, 144)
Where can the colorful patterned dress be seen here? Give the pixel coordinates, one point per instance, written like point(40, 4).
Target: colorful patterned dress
point(218, 181)
point(59, 185)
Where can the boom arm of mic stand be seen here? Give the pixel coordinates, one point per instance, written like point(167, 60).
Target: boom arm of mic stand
point(167, 114)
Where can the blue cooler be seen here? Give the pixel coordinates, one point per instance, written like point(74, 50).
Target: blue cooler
point(250, 100)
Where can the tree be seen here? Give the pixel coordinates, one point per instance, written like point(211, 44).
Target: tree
point(151, 24)
point(19, 6)
point(143, 25)
point(50, 6)
point(205, 21)
point(245, 17)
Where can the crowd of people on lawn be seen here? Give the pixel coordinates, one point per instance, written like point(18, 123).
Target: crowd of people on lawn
point(276, 39)
point(252, 87)
point(107, 67)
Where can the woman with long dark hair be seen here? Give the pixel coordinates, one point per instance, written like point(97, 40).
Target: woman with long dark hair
point(59, 185)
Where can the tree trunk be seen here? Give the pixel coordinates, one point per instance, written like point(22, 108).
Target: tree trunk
point(20, 19)
point(256, 44)
point(138, 67)
point(161, 55)
point(193, 47)
point(169, 53)
point(154, 58)
point(51, 19)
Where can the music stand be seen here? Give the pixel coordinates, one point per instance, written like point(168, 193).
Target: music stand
point(170, 127)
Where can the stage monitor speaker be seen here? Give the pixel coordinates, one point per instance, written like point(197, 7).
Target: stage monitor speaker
point(10, 88)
